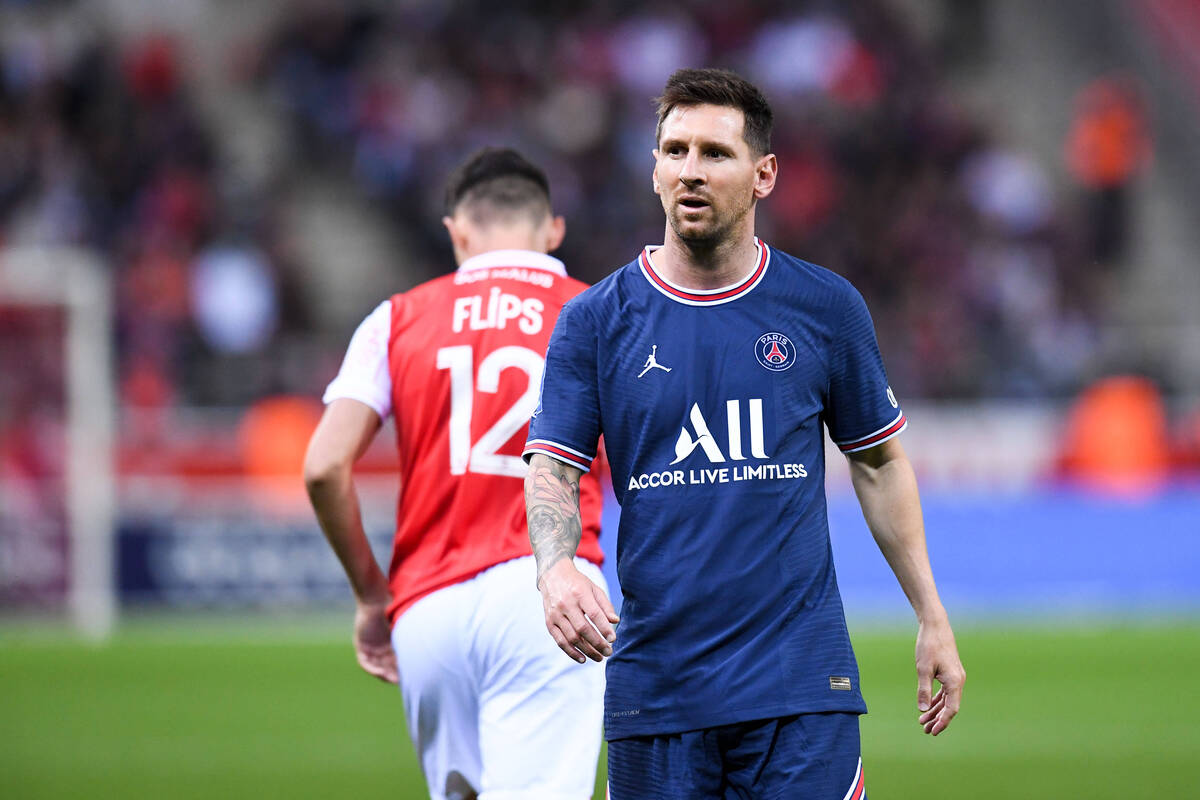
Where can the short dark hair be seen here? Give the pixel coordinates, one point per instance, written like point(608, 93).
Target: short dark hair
point(719, 87)
point(498, 179)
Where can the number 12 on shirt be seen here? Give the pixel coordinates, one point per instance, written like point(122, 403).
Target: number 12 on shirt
point(483, 457)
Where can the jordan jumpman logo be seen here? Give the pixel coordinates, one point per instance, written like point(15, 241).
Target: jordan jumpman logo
point(652, 362)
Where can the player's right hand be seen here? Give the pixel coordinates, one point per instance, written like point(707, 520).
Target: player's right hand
point(373, 641)
point(578, 613)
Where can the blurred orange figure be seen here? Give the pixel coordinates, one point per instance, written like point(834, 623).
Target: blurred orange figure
point(273, 436)
point(1108, 145)
point(1116, 436)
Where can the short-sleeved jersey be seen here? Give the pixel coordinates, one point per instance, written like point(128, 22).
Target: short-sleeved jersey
point(712, 406)
point(459, 360)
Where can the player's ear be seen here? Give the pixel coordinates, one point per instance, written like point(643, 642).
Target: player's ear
point(766, 169)
point(654, 173)
point(555, 231)
point(459, 238)
point(458, 235)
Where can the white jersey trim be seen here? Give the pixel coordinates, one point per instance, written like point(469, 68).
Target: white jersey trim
point(365, 375)
point(530, 259)
point(706, 297)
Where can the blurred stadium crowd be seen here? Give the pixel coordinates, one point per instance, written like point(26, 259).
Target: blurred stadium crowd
point(980, 276)
point(102, 146)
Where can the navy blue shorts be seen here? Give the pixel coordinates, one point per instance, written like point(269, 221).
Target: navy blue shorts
point(809, 756)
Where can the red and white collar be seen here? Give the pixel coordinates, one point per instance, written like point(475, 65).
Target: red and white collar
point(706, 297)
point(527, 259)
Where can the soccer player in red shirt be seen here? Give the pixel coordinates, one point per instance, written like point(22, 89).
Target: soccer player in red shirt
point(493, 709)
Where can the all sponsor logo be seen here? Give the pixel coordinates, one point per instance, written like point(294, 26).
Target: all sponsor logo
point(696, 439)
point(701, 437)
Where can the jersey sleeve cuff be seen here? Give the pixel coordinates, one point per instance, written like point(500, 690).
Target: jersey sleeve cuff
point(893, 428)
point(346, 390)
point(558, 452)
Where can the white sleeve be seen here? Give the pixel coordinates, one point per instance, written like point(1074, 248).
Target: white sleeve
point(364, 375)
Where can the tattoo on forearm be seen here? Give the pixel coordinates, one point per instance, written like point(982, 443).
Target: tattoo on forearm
point(552, 511)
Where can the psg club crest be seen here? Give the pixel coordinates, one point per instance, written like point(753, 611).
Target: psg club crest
point(775, 351)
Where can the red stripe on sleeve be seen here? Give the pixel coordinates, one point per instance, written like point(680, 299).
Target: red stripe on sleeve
point(879, 437)
point(562, 455)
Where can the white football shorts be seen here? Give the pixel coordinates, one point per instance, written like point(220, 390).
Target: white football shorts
point(493, 706)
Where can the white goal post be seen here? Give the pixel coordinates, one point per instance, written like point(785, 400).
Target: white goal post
point(78, 282)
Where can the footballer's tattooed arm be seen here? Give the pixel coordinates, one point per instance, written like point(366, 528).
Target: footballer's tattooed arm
point(552, 510)
point(578, 613)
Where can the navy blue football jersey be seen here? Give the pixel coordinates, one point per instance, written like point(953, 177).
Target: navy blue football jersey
point(712, 406)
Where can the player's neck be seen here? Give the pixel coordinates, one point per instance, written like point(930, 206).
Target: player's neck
point(488, 239)
point(702, 267)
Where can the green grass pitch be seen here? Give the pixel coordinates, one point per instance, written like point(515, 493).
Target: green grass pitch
point(187, 708)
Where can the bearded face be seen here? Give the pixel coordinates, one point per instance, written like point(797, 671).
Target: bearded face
point(705, 174)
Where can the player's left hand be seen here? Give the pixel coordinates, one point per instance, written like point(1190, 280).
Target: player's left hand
point(373, 641)
point(937, 659)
